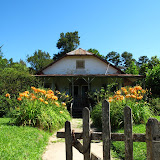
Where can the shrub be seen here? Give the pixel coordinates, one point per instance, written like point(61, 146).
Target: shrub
point(41, 108)
point(153, 79)
point(132, 97)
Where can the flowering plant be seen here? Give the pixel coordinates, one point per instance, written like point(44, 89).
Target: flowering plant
point(42, 108)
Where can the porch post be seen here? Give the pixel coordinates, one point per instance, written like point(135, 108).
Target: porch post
point(73, 89)
point(88, 85)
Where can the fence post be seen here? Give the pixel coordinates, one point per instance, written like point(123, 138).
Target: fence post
point(68, 141)
point(86, 133)
point(106, 130)
point(153, 139)
point(128, 133)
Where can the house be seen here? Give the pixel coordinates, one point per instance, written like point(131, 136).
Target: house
point(80, 71)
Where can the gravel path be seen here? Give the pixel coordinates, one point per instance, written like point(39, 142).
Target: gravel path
point(56, 147)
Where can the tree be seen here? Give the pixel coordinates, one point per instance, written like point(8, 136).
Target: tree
point(96, 52)
point(39, 60)
point(66, 43)
point(142, 60)
point(132, 69)
point(153, 79)
point(114, 58)
point(127, 58)
point(153, 62)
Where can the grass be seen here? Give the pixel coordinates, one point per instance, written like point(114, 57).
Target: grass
point(21, 142)
point(139, 148)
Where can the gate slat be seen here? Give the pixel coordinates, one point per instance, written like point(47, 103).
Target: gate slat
point(106, 130)
point(128, 133)
point(68, 141)
point(86, 133)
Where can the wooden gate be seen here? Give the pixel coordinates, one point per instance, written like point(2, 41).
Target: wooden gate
point(152, 136)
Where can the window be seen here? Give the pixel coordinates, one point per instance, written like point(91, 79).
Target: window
point(80, 64)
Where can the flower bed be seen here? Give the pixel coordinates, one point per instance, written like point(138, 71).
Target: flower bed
point(41, 108)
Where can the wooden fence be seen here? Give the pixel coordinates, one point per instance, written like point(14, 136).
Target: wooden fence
point(152, 136)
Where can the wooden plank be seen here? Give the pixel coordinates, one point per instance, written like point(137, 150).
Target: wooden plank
point(114, 136)
point(86, 134)
point(94, 157)
point(106, 130)
point(68, 141)
point(128, 133)
point(153, 139)
point(78, 145)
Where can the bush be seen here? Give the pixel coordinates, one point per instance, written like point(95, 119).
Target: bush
point(7, 105)
point(41, 108)
point(133, 98)
point(153, 79)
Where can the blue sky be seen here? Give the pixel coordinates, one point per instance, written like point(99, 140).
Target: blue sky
point(106, 25)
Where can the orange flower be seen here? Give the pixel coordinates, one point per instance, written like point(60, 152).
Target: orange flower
point(64, 104)
point(133, 96)
point(140, 97)
point(55, 98)
point(45, 102)
point(121, 97)
point(41, 99)
point(138, 87)
point(50, 92)
point(143, 91)
point(27, 92)
point(7, 95)
point(118, 92)
point(57, 104)
point(19, 98)
point(110, 100)
point(128, 96)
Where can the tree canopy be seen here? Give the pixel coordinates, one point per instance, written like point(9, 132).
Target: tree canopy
point(66, 43)
point(39, 59)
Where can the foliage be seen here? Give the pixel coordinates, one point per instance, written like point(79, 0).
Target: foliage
point(139, 148)
point(98, 96)
point(66, 43)
point(39, 60)
point(114, 58)
point(153, 79)
point(155, 105)
point(127, 58)
point(7, 105)
point(41, 108)
point(21, 142)
point(96, 52)
point(16, 78)
point(142, 60)
point(132, 69)
point(132, 97)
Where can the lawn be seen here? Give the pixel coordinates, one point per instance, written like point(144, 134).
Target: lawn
point(21, 142)
point(139, 148)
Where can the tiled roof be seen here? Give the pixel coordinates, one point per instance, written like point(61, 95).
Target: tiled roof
point(79, 52)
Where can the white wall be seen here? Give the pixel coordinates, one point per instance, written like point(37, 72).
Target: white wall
point(67, 65)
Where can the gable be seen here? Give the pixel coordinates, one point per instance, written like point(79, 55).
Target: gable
point(92, 65)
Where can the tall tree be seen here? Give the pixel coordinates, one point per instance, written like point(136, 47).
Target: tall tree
point(132, 69)
point(96, 52)
point(127, 58)
point(66, 43)
point(39, 60)
point(114, 58)
point(153, 62)
point(142, 60)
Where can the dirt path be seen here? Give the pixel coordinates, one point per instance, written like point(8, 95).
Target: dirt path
point(56, 147)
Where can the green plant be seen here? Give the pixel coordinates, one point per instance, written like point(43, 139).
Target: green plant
point(98, 96)
point(21, 142)
point(132, 98)
point(41, 108)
